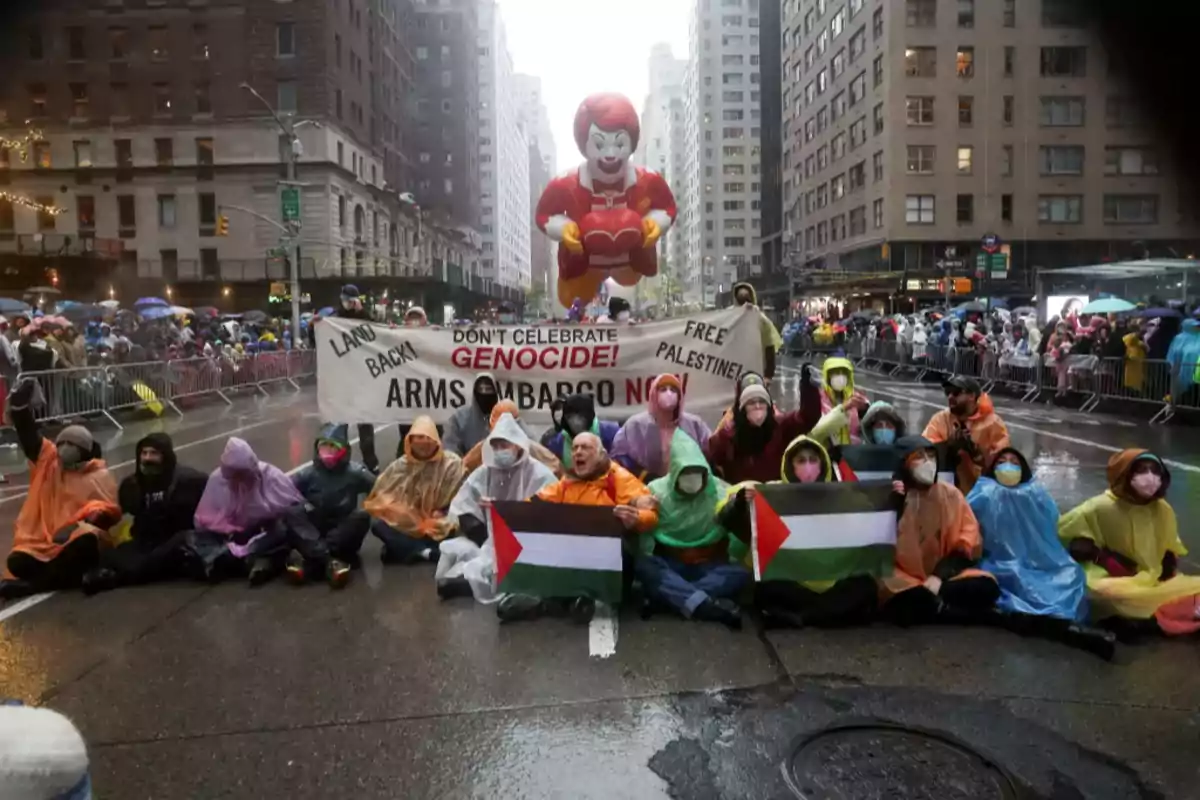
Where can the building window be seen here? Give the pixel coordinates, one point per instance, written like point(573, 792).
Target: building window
point(341, 207)
point(1010, 13)
point(919, 209)
point(37, 99)
point(878, 118)
point(877, 24)
point(83, 154)
point(1061, 160)
point(286, 97)
point(919, 110)
point(1130, 161)
point(157, 39)
point(85, 213)
point(123, 149)
point(920, 13)
point(877, 166)
point(1063, 14)
point(877, 213)
point(1009, 109)
point(877, 71)
point(210, 264)
point(208, 213)
point(42, 155)
point(164, 152)
point(838, 65)
point(204, 159)
point(203, 97)
point(966, 111)
point(79, 100)
point(76, 51)
point(921, 159)
point(166, 211)
point(920, 62)
point(966, 13)
point(964, 61)
point(1062, 112)
point(45, 220)
point(118, 43)
point(964, 209)
point(837, 144)
point(119, 99)
point(1060, 208)
point(285, 40)
point(126, 217)
point(837, 187)
point(1130, 209)
point(200, 50)
point(1006, 208)
point(858, 88)
point(1064, 62)
point(966, 159)
point(858, 133)
point(1010, 60)
point(858, 43)
point(162, 98)
point(1006, 161)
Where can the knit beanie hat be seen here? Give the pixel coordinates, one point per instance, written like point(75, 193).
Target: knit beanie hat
point(77, 435)
point(755, 392)
point(42, 756)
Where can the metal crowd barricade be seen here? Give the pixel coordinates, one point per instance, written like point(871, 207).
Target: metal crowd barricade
point(301, 364)
point(140, 384)
point(272, 367)
point(238, 373)
point(1019, 373)
point(195, 377)
point(68, 393)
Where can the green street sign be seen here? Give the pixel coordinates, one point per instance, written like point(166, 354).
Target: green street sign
point(290, 203)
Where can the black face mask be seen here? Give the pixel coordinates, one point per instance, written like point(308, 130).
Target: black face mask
point(486, 402)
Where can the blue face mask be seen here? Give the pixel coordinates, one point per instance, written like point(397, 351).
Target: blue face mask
point(504, 458)
point(1008, 474)
point(884, 435)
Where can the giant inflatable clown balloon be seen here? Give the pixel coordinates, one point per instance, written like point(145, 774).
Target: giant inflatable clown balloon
point(607, 215)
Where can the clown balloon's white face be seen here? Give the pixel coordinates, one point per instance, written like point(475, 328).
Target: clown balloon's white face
point(607, 153)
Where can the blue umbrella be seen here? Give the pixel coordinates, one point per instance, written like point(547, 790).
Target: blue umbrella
point(10, 306)
point(155, 312)
point(1151, 313)
point(1107, 305)
point(327, 311)
point(151, 301)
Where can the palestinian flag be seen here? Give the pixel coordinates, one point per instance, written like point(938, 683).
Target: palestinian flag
point(823, 531)
point(878, 462)
point(557, 550)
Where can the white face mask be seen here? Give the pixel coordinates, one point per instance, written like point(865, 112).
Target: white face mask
point(925, 473)
point(1146, 484)
point(690, 483)
point(622, 316)
point(838, 383)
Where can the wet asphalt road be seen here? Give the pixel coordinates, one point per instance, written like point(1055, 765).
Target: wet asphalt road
point(383, 691)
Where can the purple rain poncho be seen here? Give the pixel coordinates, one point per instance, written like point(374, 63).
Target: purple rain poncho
point(643, 444)
point(244, 492)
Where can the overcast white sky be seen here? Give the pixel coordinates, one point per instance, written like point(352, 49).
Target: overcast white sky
point(578, 47)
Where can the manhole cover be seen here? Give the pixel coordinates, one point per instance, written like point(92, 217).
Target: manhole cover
point(877, 760)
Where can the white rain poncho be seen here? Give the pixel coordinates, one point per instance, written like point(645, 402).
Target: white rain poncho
point(461, 558)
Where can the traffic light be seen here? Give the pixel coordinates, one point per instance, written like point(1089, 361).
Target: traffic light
point(222, 225)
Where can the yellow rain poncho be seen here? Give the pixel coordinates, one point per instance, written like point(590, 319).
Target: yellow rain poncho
point(412, 495)
point(1143, 533)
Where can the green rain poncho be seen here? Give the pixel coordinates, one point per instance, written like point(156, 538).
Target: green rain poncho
point(685, 522)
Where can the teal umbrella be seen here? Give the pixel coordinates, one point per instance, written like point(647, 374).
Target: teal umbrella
point(1107, 305)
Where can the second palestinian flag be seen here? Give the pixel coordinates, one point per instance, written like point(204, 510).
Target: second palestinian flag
point(823, 531)
point(553, 550)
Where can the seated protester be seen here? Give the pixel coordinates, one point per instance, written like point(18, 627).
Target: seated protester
point(593, 479)
point(470, 424)
point(579, 416)
point(509, 472)
point(1128, 541)
point(881, 425)
point(331, 486)
point(752, 448)
point(970, 429)
point(556, 417)
point(644, 442)
point(63, 523)
point(937, 547)
point(161, 496)
point(243, 513)
point(684, 562)
point(823, 604)
point(749, 378)
point(410, 498)
point(840, 400)
point(474, 459)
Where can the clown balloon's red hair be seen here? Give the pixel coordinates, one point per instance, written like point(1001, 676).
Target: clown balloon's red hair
point(609, 112)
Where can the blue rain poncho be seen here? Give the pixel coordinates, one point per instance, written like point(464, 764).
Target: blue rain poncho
point(1022, 550)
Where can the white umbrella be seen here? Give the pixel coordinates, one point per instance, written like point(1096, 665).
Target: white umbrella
point(182, 311)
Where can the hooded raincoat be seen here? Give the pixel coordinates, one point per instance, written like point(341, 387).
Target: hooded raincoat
point(1021, 550)
point(519, 482)
point(165, 504)
point(612, 486)
point(851, 431)
point(881, 410)
point(645, 441)
point(771, 340)
point(412, 494)
point(1144, 533)
point(1184, 356)
point(244, 493)
point(471, 423)
point(687, 529)
point(938, 534)
point(986, 430)
point(474, 459)
point(333, 492)
point(585, 406)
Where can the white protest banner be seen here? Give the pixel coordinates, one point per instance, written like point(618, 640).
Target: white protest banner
point(370, 373)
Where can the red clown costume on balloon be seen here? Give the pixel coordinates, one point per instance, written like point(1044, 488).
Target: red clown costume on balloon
point(607, 215)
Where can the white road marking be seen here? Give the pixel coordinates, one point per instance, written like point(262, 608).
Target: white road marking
point(9, 611)
point(1019, 426)
point(602, 632)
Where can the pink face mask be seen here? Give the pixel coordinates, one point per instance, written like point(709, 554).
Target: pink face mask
point(668, 399)
point(808, 472)
point(329, 456)
point(1146, 484)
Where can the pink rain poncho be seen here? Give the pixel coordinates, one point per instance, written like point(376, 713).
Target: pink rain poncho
point(643, 445)
point(244, 492)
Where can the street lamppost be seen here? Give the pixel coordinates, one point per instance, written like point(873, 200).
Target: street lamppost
point(294, 150)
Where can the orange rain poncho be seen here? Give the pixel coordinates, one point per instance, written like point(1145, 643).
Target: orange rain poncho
point(59, 497)
point(987, 431)
point(616, 486)
point(473, 460)
point(413, 494)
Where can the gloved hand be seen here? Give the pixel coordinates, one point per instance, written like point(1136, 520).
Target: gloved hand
point(650, 232)
point(572, 239)
point(23, 393)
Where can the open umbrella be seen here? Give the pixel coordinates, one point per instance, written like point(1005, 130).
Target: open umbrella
point(327, 311)
point(155, 312)
point(151, 301)
point(83, 313)
point(1151, 313)
point(1107, 305)
point(1024, 311)
point(182, 311)
point(970, 307)
point(113, 304)
point(208, 311)
point(255, 316)
point(10, 306)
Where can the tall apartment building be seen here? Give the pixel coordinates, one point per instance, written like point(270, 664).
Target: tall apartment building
point(724, 129)
point(146, 136)
point(503, 159)
point(535, 120)
point(913, 125)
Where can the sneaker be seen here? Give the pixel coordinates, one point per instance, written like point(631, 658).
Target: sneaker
point(723, 611)
point(14, 589)
point(98, 580)
point(295, 568)
point(338, 573)
point(261, 571)
point(582, 610)
point(451, 588)
point(775, 617)
point(516, 607)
